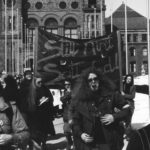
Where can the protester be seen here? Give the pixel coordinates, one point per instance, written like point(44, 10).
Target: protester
point(24, 92)
point(95, 124)
point(10, 88)
point(13, 129)
point(129, 95)
point(66, 100)
point(40, 112)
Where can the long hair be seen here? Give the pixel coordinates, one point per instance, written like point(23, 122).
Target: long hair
point(31, 99)
point(81, 90)
point(127, 86)
point(10, 93)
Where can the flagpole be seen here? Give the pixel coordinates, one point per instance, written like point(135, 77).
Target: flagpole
point(101, 6)
point(25, 45)
point(89, 26)
point(148, 48)
point(95, 21)
point(6, 36)
point(18, 56)
point(126, 42)
point(111, 17)
point(21, 40)
point(12, 27)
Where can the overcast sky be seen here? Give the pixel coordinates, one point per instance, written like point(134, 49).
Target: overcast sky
point(138, 5)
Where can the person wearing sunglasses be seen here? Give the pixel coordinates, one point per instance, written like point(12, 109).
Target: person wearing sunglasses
point(40, 112)
point(95, 124)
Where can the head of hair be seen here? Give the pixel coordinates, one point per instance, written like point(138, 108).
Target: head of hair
point(82, 91)
point(10, 92)
point(132, 79)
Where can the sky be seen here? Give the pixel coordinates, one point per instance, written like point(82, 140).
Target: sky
point(138, 5)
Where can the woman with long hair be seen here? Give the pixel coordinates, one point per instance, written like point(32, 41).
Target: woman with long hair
point(128, 93)
point(95, 124)
point(40, 111)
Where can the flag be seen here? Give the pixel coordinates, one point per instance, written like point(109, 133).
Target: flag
point(58, 57)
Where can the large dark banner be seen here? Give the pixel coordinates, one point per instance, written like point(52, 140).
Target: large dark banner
point(58, 57)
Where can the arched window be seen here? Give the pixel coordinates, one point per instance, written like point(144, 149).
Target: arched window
point(51, 25)
point(32, 23)
point(70, 28)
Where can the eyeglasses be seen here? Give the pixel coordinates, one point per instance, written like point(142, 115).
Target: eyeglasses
point(95, 79)
point(39, 82)
point(67, 84)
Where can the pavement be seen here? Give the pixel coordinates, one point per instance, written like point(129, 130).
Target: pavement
point(139, 120)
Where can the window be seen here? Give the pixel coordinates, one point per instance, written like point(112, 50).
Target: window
point(38, 5)
point(92, 3)
point(74, 5)
point(132, 51)
point(51, 25)
point(70, 28)
point(144, 37)
point(135, 37)
point(129, 38)
point(10, 23)
point(62, 5)
point(32, 23)
point(144, 51)
point(145, 66)
point(132, 67)
point(10, 2)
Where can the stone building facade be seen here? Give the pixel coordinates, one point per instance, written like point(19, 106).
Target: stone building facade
point(69, 18)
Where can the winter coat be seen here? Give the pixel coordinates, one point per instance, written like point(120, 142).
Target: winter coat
point(131, 95)
point(66, 100)
point(41, 119)
point(12, 122)
point(85, 121)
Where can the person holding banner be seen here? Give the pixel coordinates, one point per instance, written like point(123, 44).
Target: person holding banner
point(95, 124)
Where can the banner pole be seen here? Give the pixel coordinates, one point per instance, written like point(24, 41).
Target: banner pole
point(120, 58)
point(35, 43)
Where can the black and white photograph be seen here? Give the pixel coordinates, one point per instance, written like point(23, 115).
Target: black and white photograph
point(74, 75)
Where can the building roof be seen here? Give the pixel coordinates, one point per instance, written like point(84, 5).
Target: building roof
point(135, 21)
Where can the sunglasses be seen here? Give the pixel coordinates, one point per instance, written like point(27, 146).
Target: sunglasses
point(95, 79)
point(39, 82)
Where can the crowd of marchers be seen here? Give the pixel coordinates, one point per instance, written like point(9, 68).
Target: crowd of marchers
point(96, 115)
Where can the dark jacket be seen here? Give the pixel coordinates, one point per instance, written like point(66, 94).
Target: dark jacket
point(131, 95)
point(41, 120)
point(85, 121)
point(13, 123)
point(66, 100)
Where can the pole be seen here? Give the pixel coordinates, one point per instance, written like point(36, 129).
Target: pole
point(12, 27)
point(18, 56)
point(126, 42)
point(119, 59)
point(101, 6)
point(95, 22)
point(111, 18)
point(25, 50)
point(21, 40)
point(6, 36)
point(148, 49)
point(89, 26)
